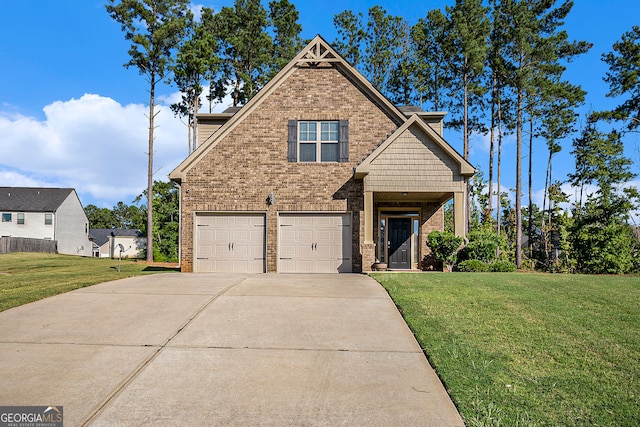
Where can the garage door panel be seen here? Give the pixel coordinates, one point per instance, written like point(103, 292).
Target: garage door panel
point(315, 243)
point(230, 243)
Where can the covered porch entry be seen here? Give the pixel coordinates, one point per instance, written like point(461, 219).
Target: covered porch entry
point(400, 223)
point(406, 182)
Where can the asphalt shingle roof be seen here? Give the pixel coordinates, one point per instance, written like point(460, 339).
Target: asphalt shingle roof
point(27, 199)
point(101, 235)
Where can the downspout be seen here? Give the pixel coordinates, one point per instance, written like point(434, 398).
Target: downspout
point(179, 225)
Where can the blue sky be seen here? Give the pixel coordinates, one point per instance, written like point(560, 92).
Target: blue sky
point(72, 116)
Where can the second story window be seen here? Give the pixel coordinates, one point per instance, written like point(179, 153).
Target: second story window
point(48, 219)
point(318, 141)
point(20, 218)
point(6, 217)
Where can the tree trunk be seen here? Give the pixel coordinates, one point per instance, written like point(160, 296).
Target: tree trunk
point(194, 121)
point(152, 91)
point(499, 206)
point(530, 227)
point(491, 147)
point(519, 181)
point(466, 148)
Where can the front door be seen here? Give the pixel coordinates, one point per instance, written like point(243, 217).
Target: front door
point(399, 243)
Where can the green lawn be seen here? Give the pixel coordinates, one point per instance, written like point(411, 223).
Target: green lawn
point(27, 277)
point(516, 349)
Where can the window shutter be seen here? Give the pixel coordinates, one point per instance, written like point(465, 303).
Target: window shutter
point(292, 141)
point(343, 141)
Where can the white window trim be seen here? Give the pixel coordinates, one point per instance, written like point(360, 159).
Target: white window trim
point(318, 141)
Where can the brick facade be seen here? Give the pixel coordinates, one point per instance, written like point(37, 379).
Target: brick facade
point(238, 174)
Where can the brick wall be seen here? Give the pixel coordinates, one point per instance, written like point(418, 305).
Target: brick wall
point(250, 162)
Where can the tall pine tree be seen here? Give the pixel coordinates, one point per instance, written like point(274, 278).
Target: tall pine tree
point(155, 29)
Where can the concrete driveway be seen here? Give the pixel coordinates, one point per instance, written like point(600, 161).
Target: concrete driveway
point(222, 349)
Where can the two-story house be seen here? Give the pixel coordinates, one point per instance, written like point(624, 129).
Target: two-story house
point(47, 214)
point(318, 172)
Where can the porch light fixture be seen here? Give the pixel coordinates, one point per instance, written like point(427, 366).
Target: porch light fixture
point(271, 199)
point(405, 194)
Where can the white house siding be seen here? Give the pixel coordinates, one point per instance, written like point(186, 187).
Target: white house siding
point(133, 247)
point(72, 228)
point(33, 227)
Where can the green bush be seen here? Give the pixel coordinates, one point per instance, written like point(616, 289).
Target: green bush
point(444, 246)
point(501, 266)
point(473, 266)
point(483, 244)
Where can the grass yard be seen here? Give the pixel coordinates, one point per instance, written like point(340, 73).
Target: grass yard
point(516, 349)
point(27, 277)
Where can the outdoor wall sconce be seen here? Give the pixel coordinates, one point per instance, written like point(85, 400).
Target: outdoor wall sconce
point(271, 199)
point(405, 194)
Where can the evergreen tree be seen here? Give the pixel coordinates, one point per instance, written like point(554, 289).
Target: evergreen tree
point(165, 231)
point(624, 77)
point(197, 61)
point(534, 45)
point(99, 217)
point(431, 73)
point(382, 42)
point(155, 29)
point(283, 17)
point(469, 45)
point(351, 35)
point(245, 47)
point(602, 239)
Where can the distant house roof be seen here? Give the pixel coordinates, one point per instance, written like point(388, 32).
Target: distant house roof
point(232, 110)
point(101, 235)
point(410, 109)
point(27, 199)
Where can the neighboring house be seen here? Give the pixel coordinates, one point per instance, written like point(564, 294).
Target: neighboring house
point(48, 214)
point(107, 240)
point(318, 172)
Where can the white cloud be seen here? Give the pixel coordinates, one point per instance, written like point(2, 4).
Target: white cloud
point(219, 107)
point(92, 144)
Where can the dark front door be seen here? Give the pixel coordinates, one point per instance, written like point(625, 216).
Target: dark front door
point(400, 243)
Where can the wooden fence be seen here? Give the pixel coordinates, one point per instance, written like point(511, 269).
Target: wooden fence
point(23, 244)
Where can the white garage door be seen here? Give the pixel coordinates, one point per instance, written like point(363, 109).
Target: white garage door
point(314, 243)
point(230, 243)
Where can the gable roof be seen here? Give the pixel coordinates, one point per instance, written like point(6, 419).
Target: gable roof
point(101, 235)
point(318, 51)
point(466, 169)
point(27, 199)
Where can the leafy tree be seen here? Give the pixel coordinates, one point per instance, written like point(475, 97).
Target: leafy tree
point(445, 246)
point(534, 44)
point(155, 28)
point(401, 86)
point(376, 47)
point(624, 77)
point(501, 119)
point(246, 47)
point(166, 227)
point(469, 46)
point(283, 17)
point(99, 217)
point(128, 216)
point(121, 216)
point(351, 35)
point(485, 245)
point(603, 241)
point(431, 74)
point(382, 41)
point(196, 61)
